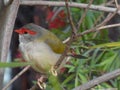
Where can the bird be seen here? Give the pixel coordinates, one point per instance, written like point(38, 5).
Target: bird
point(40, 47)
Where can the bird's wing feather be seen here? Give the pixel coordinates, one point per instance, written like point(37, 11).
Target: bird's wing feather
point(55, 43)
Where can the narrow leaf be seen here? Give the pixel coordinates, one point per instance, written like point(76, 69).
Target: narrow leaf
point(113, 44)
point(13, 64)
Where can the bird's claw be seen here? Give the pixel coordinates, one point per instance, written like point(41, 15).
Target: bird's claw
point(53, 71)
point(41, 84)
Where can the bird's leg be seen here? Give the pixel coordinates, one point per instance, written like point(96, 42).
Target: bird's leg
point(53, 71)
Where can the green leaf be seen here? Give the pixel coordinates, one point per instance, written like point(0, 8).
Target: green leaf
point(76, 81)
point(107, 62)
point(54, 82)
point(68, 79)
point(113, 44)
point(13, 64)
point(82, 77)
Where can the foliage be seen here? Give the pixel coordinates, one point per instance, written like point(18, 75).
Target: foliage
point(102, 55)
point(13, 64)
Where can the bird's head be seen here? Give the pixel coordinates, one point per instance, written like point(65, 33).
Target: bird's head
point(32, 32)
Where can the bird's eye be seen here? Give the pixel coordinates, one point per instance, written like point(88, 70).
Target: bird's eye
point(25, 32)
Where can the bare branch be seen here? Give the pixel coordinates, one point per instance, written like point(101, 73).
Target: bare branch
point(74, 30)
point(94, 29)
point(7, 19)
point(16, 77)
point(116, 3)
point(99, 80)
point(71, 4)
point(8, 13)
point(98, 29)
point(109, 26)
point(70, 39)
point(83, 16)
point(108, 18)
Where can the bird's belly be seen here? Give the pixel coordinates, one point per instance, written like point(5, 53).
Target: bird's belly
point(40, 54)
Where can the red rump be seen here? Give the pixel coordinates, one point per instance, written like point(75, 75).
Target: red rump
point(25, 30)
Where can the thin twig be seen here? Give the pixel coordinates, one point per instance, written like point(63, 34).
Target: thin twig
point(102, 15)
point(116, 3)
point(98, 19)
point(99, 80)
point(70, 39)
point(74, 30)
point(100, 28)
point(108, 18)
point(111, 15)
point(94, 29)
point(16, 77)
point(109, 26)
point(83, 16)
point(71, 4)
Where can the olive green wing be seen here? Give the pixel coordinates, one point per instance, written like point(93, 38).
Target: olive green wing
point(55, 43)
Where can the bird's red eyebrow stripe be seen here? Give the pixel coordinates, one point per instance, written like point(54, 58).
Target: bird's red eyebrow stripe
point(29, 31)
point(23, 30)
point(20, 31)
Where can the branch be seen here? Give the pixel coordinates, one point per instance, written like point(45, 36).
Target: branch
point(99, 80)
point(8, 13)
point(74, 30)
point(84, 14)
point(16, 77)
point(97, 28)
point(109, 26)
point(7, 19)
point(58, 63)
point(71, 4)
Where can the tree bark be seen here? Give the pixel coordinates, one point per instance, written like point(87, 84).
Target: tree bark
point(8, 13)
